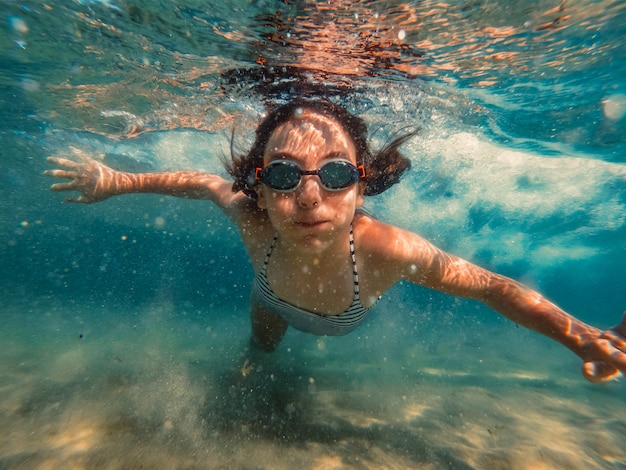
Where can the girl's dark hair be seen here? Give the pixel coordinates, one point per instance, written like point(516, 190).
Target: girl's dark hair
point(382, 169)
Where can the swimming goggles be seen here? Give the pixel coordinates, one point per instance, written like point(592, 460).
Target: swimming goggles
point(284, 175)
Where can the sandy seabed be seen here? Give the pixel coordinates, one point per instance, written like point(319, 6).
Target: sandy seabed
point(152, 391)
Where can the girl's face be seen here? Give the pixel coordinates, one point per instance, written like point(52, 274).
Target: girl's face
point(310, 214)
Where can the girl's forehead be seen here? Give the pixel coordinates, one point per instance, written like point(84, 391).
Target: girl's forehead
point(310, 133)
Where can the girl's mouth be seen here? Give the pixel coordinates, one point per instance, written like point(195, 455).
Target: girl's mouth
point(310, 223)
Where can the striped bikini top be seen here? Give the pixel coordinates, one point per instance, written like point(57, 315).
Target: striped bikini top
point(305, 320)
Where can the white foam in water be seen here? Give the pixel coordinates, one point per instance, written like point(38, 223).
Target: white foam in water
point(522, 190)
point(191, 150)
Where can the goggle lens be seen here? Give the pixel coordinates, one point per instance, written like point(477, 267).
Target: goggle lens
point(281, 176)
point(338, 174)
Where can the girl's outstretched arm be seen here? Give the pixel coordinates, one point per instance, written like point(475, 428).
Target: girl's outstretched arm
point(603, 353)
point(96, 182)
point(405, 255)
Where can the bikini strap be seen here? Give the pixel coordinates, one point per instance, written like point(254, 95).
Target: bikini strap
point(355, 273)
point(268, 254)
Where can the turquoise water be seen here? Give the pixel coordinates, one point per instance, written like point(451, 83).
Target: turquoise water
point(124, 323)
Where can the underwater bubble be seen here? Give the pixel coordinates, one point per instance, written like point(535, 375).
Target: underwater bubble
point(18, 24)
point(29, 84)
point(614, 107)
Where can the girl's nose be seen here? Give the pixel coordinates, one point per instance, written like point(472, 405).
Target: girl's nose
point(309, 193)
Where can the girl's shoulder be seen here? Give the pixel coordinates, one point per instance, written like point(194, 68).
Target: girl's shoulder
point(382, 251)
point(384, 242)
point(256, 233)
point(368, 227)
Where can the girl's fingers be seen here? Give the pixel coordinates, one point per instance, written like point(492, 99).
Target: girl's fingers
point(61, 174)
point(63, 186)
point(64, 162)
point(598, 372)
point(80, 199)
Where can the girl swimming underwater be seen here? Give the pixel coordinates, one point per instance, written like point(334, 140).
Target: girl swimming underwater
point(320, 261)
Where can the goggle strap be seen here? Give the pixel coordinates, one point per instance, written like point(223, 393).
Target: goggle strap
point(361, 169)
point(257, 173)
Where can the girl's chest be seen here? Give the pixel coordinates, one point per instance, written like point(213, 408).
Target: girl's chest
point(308, 286)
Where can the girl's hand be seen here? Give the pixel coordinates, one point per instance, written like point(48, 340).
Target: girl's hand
point(605, 356)
point(93, 179)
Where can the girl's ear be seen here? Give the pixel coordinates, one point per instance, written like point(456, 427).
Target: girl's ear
point(260, 197)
